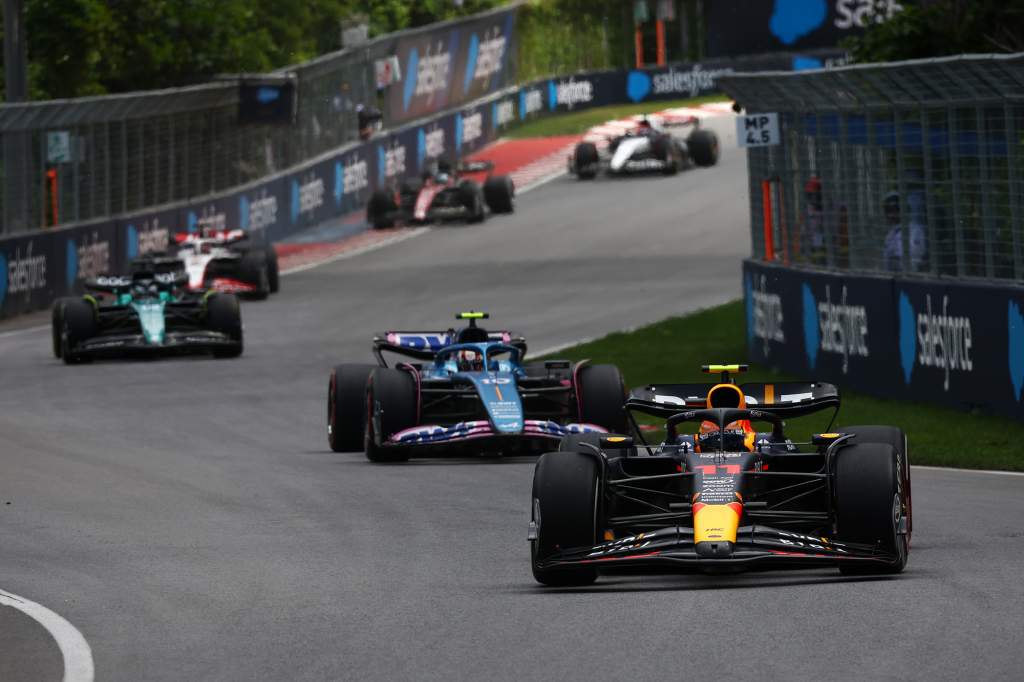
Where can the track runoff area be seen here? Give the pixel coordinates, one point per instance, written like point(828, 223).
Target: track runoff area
point(186, 520)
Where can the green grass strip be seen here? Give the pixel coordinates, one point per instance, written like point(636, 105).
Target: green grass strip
point(578, 122)
point(673, 351)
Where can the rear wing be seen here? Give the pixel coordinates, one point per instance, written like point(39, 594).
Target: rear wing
point(118, 284)
point(423, 345)
point(786, 399)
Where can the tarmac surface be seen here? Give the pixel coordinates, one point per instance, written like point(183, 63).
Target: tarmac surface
point(189, 519)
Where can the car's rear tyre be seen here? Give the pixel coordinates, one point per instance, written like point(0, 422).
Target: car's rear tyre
point(392, 394)
point(57, 326)
point(601, 393)
point(499, 192)
point(586, 160)
point(273, 269)
point(869, 503)
point(895, 437)
point(380, 211)
point(565, 514)
point(346, 407)
point(472, 198)
point(79, 325)
point(224, 315)
point(255, 270)
point(702, 145)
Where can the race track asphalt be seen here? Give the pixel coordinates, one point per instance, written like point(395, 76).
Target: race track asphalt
point(188, 518)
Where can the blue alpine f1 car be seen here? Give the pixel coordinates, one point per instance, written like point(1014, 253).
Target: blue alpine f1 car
point(466, 392)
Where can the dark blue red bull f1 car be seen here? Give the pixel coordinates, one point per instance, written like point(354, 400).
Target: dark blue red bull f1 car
point(466, 391)
point(719, 496)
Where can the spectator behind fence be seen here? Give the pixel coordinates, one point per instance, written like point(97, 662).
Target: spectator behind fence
point(892, 253)
point(369, 119)
point(810, 246)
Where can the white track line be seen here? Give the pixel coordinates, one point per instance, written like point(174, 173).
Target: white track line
point(78, 665)
point(26, 330)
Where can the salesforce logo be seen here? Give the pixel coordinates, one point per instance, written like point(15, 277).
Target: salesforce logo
point(71, 262)
point(638, 85)
point(934, 339)
point(1015, 324)
point(834, 327)
point(764, 314)
point(793, 19)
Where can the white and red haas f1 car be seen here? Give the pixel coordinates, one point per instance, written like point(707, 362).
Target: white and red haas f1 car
point(227, 261)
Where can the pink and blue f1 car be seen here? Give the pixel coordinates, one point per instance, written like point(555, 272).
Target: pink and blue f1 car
point(466, 391)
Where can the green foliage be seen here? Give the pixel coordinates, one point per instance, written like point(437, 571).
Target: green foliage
point(563, 36)
point(88, 47)
point(942, 27)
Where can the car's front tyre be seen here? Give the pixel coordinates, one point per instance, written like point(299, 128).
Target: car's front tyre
point(564, 515)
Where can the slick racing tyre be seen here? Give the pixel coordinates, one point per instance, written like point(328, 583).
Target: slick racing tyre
point(255, 270)
point(601, 394)
point(79, 325)
point(57, 325)
point(380, 212)
point(391, 396)
point(586, 160)
point(499, 192)
point(273, 270)
point(346, 407)
point(472, 198)
point(869, 504)
point(566, 488)
point(664, 148)
point(703, 147)
point(898, 440)
point(224, 315)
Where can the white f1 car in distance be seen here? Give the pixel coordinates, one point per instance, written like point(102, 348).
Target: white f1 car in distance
point(661, 143)
point(227, 261)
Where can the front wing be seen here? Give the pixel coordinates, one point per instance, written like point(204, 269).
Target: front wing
point(672, 550)
point(472, 430)
point(112, 345)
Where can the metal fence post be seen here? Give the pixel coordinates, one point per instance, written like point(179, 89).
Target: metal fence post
point(954, 170)
point(1014, 186)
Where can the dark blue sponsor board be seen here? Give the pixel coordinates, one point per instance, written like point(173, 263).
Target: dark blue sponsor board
point(451, 65)
point(740, 27)
point(955, 343)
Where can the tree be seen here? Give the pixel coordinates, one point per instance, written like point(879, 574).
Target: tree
point(942, 27)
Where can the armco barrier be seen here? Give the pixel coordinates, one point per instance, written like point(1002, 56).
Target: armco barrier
point(945, 341)
point(39, 266)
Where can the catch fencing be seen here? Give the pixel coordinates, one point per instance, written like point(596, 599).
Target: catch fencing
point(886, 223)
point(73, 161)
point(915, 167)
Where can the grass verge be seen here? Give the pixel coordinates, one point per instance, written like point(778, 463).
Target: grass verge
point(673, 351)
point(578, 122)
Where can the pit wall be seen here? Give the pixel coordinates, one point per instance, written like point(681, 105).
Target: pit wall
point(39, 266)
point(950, 342)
